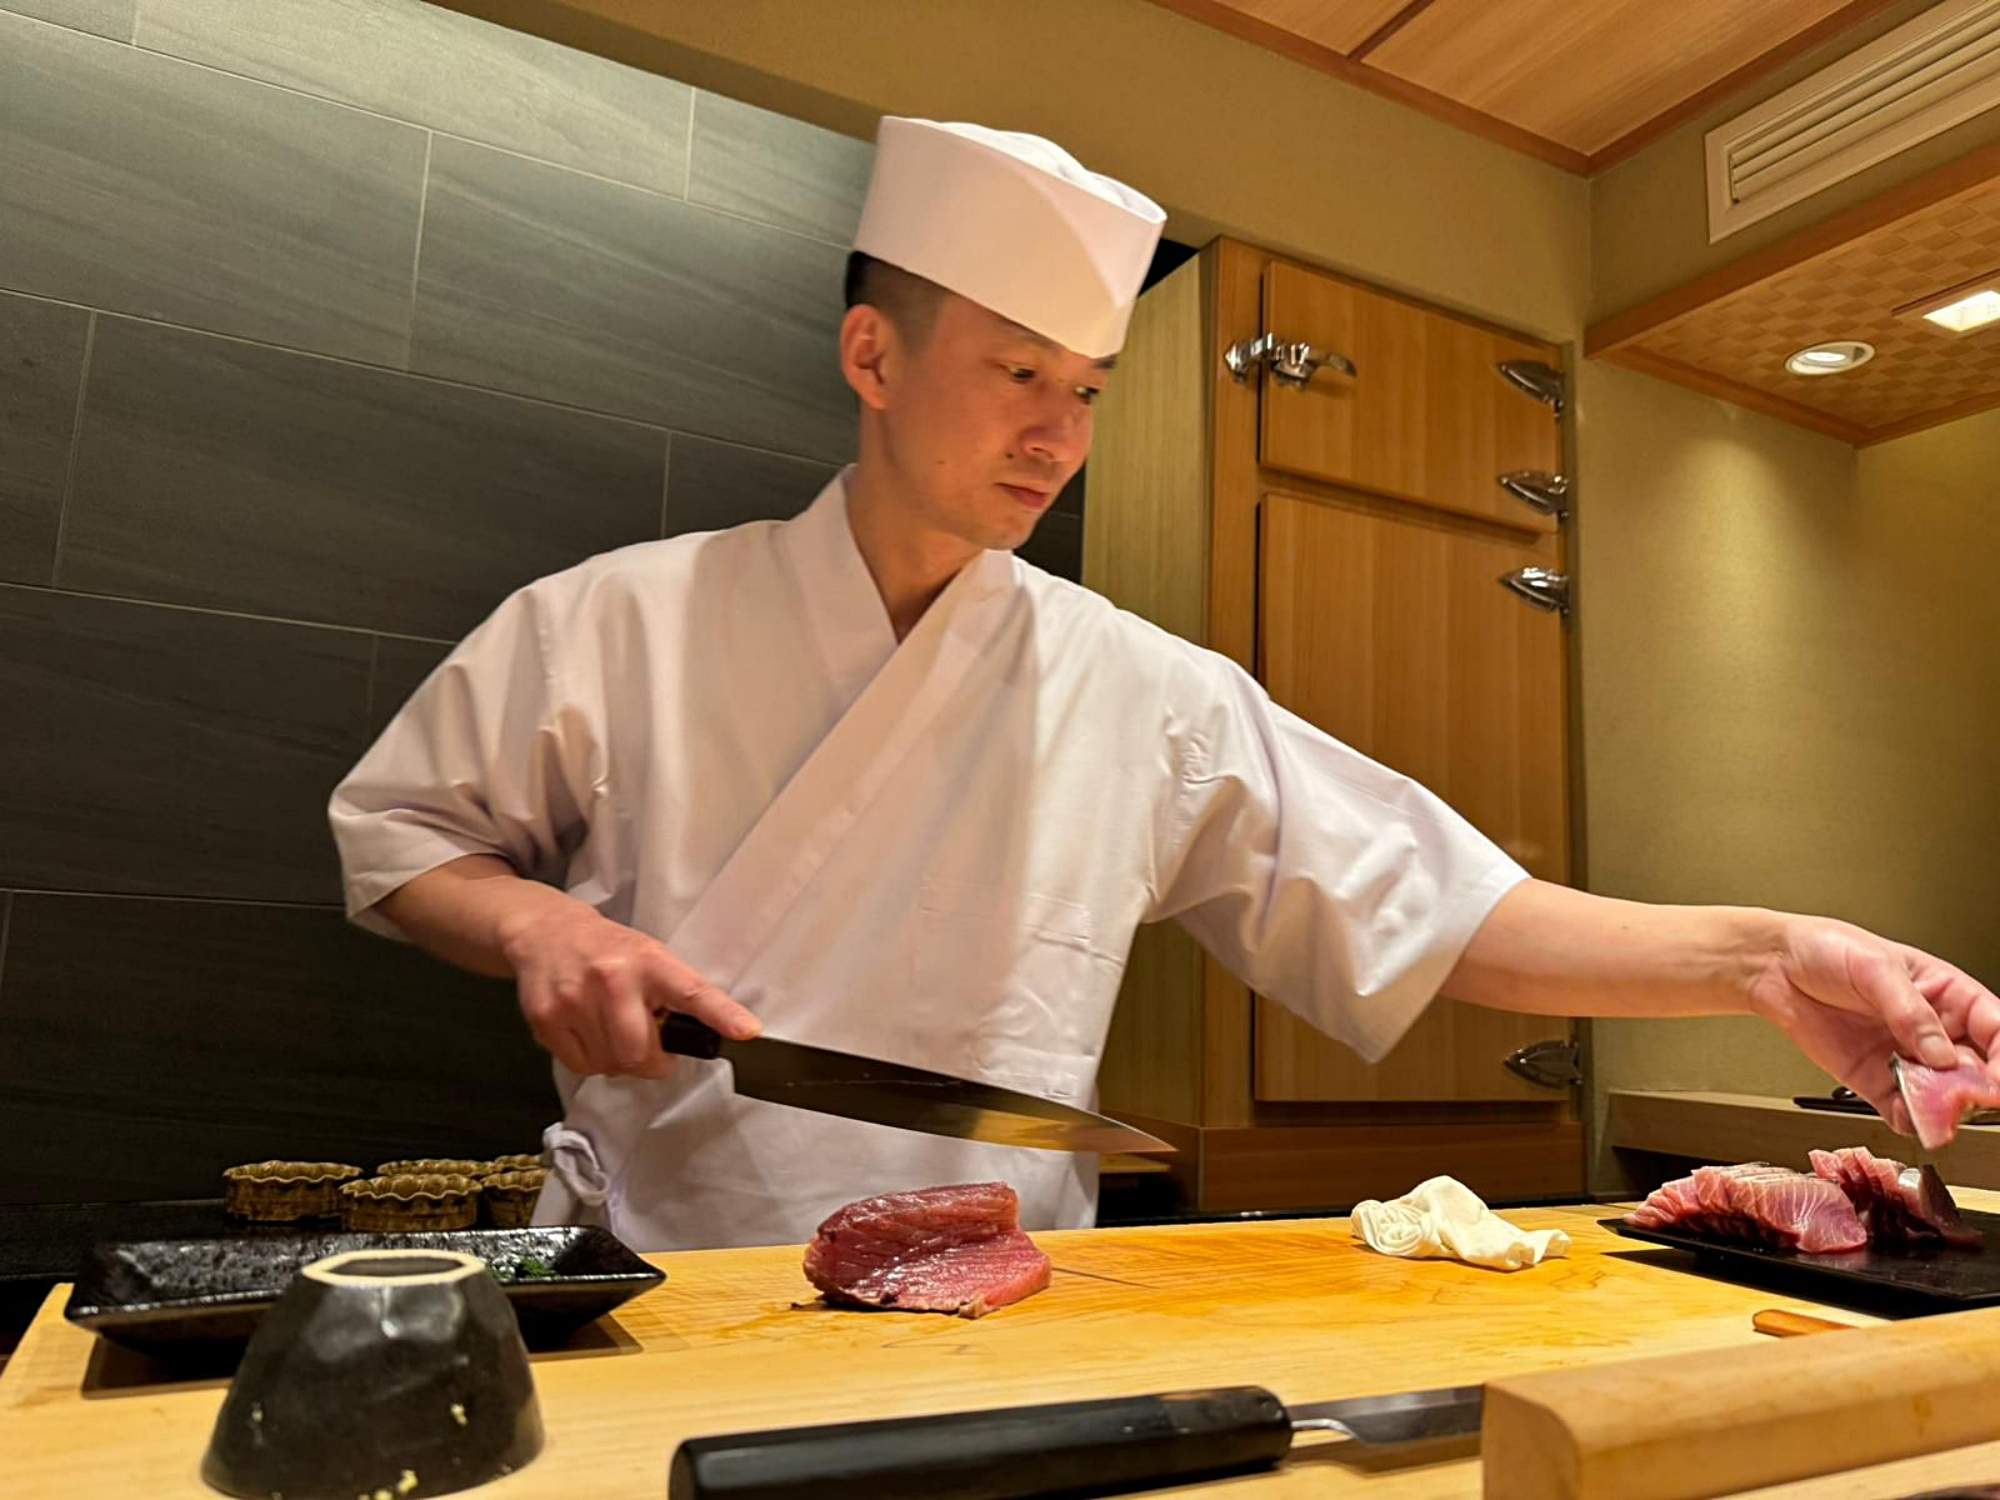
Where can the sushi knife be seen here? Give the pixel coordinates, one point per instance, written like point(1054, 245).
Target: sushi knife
point(1014, 1453)
point(886, 1093)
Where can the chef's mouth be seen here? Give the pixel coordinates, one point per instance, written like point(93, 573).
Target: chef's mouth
point(1034, 499)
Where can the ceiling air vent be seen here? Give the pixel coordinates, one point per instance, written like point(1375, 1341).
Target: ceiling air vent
point(1924, 77)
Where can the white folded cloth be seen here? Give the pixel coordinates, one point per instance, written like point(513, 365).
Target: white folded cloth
point(1444, 1217)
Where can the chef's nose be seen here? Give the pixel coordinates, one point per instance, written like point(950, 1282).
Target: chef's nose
point(1062, 433)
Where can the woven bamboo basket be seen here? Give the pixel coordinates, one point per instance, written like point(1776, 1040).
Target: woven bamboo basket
point(433, 1166)
point(410, 1200)
point(285, 1192)
point(508, 1198)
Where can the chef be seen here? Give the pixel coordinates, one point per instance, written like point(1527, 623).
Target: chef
point(867, 780)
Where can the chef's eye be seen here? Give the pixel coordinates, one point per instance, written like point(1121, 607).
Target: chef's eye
point(1020, 374)
point(1089, 393)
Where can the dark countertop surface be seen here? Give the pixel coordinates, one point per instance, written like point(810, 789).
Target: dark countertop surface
point(46, 1242)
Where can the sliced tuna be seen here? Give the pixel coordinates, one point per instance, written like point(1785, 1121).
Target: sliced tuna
point(1899, 1204)
point(1938, 1098)
point(1757, 1202)
point(946, 1249)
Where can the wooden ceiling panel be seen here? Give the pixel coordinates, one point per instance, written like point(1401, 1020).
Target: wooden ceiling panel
point(1734, 341)
point(1581, 83)
point(1342, 25)
point(1585, 74)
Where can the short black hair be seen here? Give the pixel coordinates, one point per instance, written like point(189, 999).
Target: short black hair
point(906, 299)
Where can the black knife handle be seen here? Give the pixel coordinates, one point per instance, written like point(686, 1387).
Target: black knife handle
point(684, 1036)
point(1101, 1446)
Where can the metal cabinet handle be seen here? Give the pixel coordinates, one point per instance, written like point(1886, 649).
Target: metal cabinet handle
point(1542, 587)
point(1539, 490)
point(1554, 1064)
point(1533, 378)
point(1291, 364)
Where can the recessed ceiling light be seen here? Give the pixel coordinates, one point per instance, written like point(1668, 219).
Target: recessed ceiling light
point(1968, 313)
point(1830, 358)
point(1963, 308)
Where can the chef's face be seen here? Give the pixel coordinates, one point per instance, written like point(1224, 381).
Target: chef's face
point(980, 421)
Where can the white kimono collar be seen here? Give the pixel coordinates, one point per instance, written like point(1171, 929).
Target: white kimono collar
point(848, 618)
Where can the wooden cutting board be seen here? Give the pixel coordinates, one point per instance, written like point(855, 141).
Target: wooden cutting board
point(725, 1344)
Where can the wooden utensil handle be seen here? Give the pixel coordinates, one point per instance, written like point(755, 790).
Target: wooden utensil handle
point(1787, 1325)
point(1007, 1454)
point(1751, 1415)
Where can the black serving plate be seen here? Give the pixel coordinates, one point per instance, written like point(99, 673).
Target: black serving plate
point(1941, 1279)
point(161, 1295)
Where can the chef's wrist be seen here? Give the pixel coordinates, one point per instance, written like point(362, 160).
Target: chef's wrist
point(526, 914)
point(1755, 952)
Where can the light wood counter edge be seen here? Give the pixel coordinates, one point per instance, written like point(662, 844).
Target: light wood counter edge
point(1755, 1127)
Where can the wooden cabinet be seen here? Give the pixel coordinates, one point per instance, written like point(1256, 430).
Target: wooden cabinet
point(1389, 633)
point(1395, 637)
point(1422, 418)
point(1346, 540)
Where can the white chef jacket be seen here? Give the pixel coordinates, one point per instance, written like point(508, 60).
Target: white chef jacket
point(933, 852)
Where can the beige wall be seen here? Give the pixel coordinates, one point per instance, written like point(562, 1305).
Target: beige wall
point(1925, 550)
point(1227, 136)
point(1792, 690)
point(1649, 214)
point(1787, 646)
point(1714, 711)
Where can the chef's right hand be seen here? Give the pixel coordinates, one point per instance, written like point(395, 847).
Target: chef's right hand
point(592, 991)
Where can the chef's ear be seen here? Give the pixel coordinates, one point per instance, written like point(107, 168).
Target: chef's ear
point(867, 339)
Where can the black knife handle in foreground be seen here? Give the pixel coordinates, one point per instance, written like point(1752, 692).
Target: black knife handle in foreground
point(684, 1036)
point(993, 1455)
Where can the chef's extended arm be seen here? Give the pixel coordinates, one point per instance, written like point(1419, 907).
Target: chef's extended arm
point(1849, 999)
point(1352, 895)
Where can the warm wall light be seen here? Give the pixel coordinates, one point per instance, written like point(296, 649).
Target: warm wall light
point(1830, 358)
point(1968, 313)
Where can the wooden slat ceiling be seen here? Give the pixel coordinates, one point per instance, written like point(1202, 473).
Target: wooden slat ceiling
point(1855, 277)
point(1582, 83)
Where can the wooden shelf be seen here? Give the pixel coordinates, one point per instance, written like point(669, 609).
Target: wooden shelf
point(1753, 1127)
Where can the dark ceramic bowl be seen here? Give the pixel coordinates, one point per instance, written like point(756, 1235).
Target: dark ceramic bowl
point(397, 1372)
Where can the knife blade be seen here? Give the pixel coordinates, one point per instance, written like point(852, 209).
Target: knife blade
point(1015, 1453)
point(886, 1093)
point(1403, 1417)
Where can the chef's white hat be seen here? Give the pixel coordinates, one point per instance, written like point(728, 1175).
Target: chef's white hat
point(1013, 222)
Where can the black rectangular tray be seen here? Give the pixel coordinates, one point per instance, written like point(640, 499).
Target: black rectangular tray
point(1943, 1279)
point(160, 1295)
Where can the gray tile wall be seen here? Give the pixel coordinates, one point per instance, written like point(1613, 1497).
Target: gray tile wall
point(146, 185)
point(323, 324)
point(216, 1031)
point(112, 18)
point(237, 476)
point(41, 373)
point(547, 282)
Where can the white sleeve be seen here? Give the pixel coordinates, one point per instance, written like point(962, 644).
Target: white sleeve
point(491, 755)
point(1322, 879)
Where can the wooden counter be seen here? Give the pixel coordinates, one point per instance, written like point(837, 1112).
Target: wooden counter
point(1296, 1306)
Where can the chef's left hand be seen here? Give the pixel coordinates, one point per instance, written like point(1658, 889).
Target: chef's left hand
point(1851, 1000)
